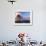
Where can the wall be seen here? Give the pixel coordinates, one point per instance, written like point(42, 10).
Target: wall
point(9, 31)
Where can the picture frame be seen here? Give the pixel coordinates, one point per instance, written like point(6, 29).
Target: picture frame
point(23, 18)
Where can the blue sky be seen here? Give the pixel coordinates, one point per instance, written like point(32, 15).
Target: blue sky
point(25, 13)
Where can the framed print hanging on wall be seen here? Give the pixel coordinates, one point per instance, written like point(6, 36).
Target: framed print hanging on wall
point(23, 17)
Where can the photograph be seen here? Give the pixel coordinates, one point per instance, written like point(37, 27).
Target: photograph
point(23, 17)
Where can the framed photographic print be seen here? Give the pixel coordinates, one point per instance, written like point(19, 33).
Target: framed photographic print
point(23, 17)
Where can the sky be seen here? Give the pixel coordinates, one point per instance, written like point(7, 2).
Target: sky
point(25, 13)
